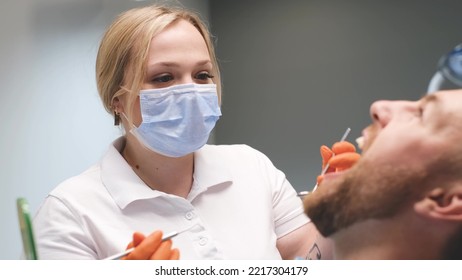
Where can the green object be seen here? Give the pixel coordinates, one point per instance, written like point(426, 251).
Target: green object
point(25, 225)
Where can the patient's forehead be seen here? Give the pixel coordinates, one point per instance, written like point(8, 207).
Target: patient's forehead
point(449, 104)
point(446, 101)
point(446, 95)
point(451, 101)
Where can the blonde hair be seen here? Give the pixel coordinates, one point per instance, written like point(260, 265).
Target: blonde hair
point(123, 52)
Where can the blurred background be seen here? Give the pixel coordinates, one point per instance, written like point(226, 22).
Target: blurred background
point(296, 74)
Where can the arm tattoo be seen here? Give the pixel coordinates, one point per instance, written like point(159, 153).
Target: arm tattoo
point(314, 253)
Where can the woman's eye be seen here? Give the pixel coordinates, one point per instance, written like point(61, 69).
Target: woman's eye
point(204, 76)
point(163, 79)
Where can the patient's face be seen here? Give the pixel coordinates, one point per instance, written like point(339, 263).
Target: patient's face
point(405, 147)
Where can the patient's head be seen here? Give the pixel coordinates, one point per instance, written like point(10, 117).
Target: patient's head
point(408, 179)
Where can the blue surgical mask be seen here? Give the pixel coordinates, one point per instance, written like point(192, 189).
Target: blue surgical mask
point(177, 120)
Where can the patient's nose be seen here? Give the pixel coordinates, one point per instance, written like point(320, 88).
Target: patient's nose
point(381, 112)
point(384, 111)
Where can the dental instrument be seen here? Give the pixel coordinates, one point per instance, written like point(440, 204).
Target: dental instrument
point(345, 135)
point(449, 68)
point(128, 251)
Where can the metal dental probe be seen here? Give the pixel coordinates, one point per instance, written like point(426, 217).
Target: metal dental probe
point(128, 251)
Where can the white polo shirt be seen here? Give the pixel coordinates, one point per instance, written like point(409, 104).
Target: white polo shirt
point(239, 205)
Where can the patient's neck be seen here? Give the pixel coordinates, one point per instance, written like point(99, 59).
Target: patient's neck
point(386, 239)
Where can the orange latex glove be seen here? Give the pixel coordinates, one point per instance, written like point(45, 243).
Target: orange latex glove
point(151, 248)
point(344, 158)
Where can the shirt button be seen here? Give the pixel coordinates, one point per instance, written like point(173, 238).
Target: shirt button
point(203, 241)
point(189, 215)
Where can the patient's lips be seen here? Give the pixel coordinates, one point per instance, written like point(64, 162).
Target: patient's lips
point(332, 175)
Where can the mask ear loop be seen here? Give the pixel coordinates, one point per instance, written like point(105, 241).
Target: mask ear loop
point(122, 114)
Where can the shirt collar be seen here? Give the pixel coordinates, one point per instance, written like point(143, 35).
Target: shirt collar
point(210, 170)
point(119, 178)
point(126, 187)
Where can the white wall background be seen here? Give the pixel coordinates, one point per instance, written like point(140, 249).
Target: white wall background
point(53, 123)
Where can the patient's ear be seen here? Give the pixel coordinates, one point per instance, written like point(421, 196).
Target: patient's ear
point(442, 204)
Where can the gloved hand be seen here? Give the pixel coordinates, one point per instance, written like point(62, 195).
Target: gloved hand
point(151, 248)
point(344, 158)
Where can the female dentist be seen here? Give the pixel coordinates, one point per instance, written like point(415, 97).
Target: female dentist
point(157, 74)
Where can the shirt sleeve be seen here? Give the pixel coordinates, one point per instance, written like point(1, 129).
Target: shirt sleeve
point(287, 206)
point(59, 234)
